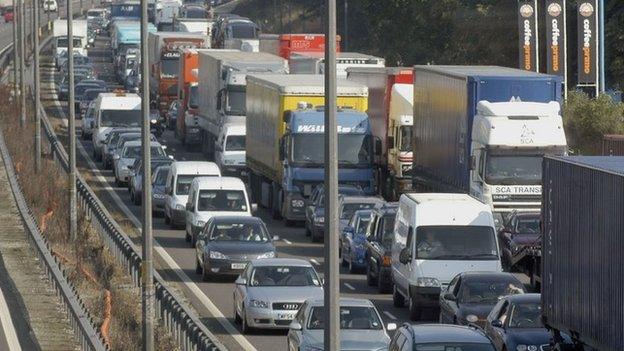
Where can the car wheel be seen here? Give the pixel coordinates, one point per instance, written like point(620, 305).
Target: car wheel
point(315, 238)
point(167, 219)
point(370, 280)
point(383, 287)
point(414, 310)
point(237, 318)
point(397, 299)
point(307, 229)
point(245, 328)
point(205, 273)
point(198, 267)
point(187, 236)
point(137, 199)
point(352, 268)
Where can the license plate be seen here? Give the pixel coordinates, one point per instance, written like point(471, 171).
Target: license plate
point(288, 316)
point(238, 265)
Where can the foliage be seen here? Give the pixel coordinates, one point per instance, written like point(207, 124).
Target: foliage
point(587, 120)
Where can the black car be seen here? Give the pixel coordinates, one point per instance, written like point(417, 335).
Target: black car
point(520, 234)
point(436, 337)
point(315, 210)
point(471, 296)
point(379, 236)
point(227, 243)
point(135, 184)
point(515, 323)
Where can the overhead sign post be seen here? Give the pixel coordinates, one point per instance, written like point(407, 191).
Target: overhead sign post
point(556, 40)
point(529, 38)
point(588, 72)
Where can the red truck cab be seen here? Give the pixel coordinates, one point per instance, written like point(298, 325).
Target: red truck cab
point(289, 43)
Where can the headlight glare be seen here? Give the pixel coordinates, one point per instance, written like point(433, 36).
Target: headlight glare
point(427, 282)
point(217, 255)
point(180, 207)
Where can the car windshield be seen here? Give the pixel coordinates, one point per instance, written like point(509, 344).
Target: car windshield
point(244, 31)
point(487, 292)
point(235, 143)
point(135, 151)
point(363, 223)
point(284, 276)
point(353, 149)
point(526, 315)
point(513, 169)
point(161, 176)
point(127, 137)
point(120, 118)
point(406, 138)
point(193, 96)
point(222, 200)
point(169, 67)
point(351, 317)
point(387, 235)
point(183, 183)
point(527, 225)
point(454, 346)
point(456, 243)
point(348, 209)
point(245, 232)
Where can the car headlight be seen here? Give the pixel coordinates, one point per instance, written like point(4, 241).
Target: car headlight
point(320, 220)
point(200, 224)
point(180, 207)
point(258, 303)
point(298, 203)
point(427, 282)
point(217, 255)
point(522, 347)
point(269, 254)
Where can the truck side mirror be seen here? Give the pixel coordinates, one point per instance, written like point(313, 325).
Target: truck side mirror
point(286, 117)
point(405, 256)
point(377, 147)
point(282, 153)
point(390, 142)
point(219, 97)
point(473, 162)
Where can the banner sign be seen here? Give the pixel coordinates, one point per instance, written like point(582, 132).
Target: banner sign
point(556, 37)
point(588, 42)
point(527, 24)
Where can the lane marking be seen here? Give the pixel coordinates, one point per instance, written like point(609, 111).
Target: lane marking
point(7, 325)
point(315, 261)
point(390, 315)
point(349, 286)
point(164, 255)
point(287, 241)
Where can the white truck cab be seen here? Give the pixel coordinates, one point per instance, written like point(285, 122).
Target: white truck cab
point(509, 140)
point(179, 179)
point(209, 197)
point(230, 149)
point(437, 236)
point(113, 110)
point(400, 126)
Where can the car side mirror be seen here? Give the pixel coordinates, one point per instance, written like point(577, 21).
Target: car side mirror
point(497, 323)
point(254, 208)
point(391, 327)
point(405, 256)
point(294, 325)
point(449, 296)
point(240, 281)
point(189, 207)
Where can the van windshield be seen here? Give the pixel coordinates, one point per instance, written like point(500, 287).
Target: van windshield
point(456, 243)
point(120, 118)
point(221, 200)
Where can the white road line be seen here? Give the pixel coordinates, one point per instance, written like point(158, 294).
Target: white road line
point(7, 325)
point(287, 241)
point(186, 280)
point(390, 315)
point(315, 262)
point(349, 286)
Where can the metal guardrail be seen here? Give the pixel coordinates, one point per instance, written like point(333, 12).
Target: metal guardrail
point(178, 319)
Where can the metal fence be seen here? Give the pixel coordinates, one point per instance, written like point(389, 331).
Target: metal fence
point(184, 325)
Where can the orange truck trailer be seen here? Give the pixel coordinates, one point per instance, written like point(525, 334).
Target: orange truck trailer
point(187, 124)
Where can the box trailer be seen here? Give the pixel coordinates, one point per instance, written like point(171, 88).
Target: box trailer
point(314, 62)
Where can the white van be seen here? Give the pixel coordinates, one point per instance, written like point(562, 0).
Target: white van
point(179, 179)
point(113, 110)
point(436, 237)
point(211, 197)
point(230, 149)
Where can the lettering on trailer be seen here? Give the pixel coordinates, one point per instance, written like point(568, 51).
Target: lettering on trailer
point(171, 54)
point(319, 128)
point(556, 37)
point(528, 35)
point(517, 190)
point(347, 61)
point(588, 43)
point(526, 135)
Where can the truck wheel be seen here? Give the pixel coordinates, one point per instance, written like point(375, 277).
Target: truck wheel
point(397, 299)
point(275, 203)
point(167, 219)
point(414, 310)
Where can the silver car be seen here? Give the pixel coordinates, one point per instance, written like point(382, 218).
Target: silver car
point(269, 292)
point(361, 327)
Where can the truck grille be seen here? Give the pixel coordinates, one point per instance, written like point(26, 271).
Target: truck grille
point(286, 306)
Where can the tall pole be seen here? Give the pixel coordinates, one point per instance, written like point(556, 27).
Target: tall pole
point(148, 264)
point(73, 218)
point(37, 88)
point(603, 82)
point(15, 48)
point(22, 34)
point(332, 276)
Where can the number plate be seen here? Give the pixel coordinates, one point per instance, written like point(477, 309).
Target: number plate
point(238, 265)
point(288, 316)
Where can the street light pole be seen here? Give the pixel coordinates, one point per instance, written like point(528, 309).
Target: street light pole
point(22, 42)
point(37, 85)
point(603, 83)
point(148, 264)
point(73, 218)
point(15, 48)
point(332, 276)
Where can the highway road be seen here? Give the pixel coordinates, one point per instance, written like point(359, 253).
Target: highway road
point(212, 300)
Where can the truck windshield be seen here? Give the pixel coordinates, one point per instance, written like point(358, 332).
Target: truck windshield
point(513, 169)
point(63, 42)
point(126, 10)
point(120, 118)
point(193, 96)
point(236, 102)
point(406, 138)
point(456, 243)
point(169, 67)
point(235, 143)
point(354, 150)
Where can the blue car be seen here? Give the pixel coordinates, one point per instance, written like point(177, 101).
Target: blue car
point(515, 323)
point(353, 241)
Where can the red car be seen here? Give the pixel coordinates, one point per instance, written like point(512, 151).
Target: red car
point(8, 14)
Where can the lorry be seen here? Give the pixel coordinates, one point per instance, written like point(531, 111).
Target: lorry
point(193, 25)
point(125, 39)
point(164, 58)
point(128, 10)
point(390, 109)
point(483, 130)
point(285, 44)
point(61, 42)
point(314, 62)
point(166, 12)
point(581, 258)
point(284, 146)
point(222, 92)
